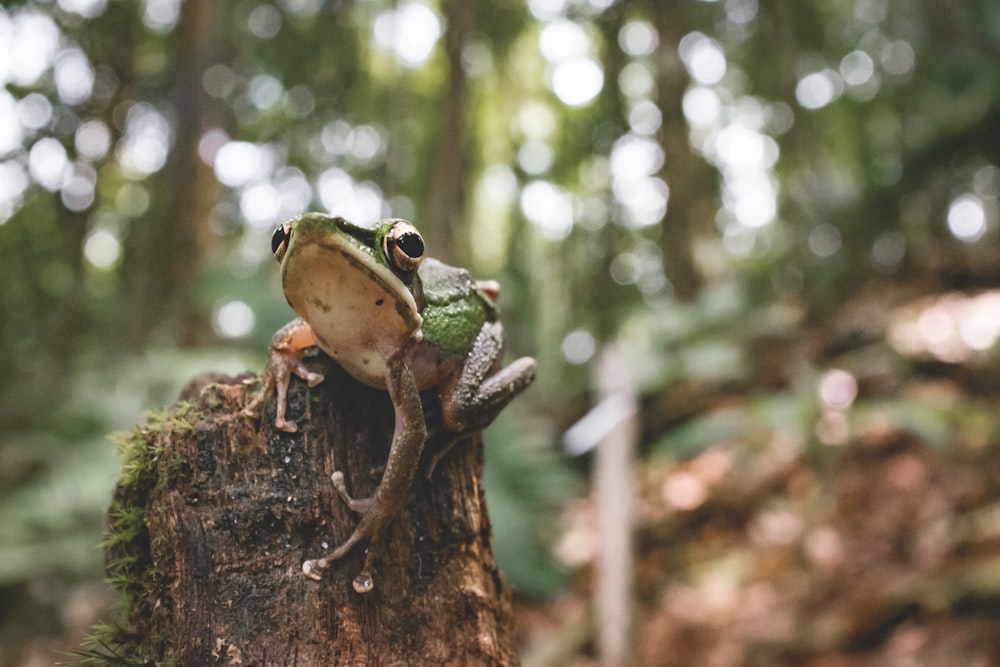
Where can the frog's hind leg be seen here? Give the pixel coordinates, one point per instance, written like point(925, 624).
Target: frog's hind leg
point(481, 391)
point(404, 454)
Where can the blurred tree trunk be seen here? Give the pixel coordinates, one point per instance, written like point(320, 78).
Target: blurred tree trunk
point(692, 181)
point(163, 250)
point(230, 508)
point(450, 161)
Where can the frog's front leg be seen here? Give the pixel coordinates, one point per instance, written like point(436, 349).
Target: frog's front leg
point(404, 455)
point(477, 395)
point(284, 358)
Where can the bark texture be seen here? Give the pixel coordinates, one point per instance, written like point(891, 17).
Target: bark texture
point(230, 508)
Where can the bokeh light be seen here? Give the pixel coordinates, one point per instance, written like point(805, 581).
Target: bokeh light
point(816, 90)
point(48, 164)
point(549, 208)
point(233, 319)
point(144, 148)
point(967, 218)
point(638, 38)
point(574, 75)
point(102, 249)
point(703, 57)
point(410, 31)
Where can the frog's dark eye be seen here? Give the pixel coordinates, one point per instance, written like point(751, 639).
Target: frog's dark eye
point(279, 240)
point(404, 247)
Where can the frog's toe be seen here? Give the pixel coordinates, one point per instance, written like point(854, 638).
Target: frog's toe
point(298, 368)
point(286, 426)
point(356, 504)
point(313, 568)
point(252, 408)
point(363, 583)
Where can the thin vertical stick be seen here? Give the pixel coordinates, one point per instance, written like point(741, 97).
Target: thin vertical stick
point(614, 492)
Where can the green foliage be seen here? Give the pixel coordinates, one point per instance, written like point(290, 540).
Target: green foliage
point(103, 647)
point(525, 484)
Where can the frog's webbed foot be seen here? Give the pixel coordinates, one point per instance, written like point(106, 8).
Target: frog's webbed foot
point(479, 394)
point(276, 377)
point(283, 360)
point(314, 568)
point(363, 583)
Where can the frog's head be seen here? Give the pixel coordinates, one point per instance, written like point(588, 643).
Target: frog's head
point(355, 286)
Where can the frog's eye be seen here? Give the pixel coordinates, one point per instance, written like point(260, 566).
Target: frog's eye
point(404, 247)
point(279, 240)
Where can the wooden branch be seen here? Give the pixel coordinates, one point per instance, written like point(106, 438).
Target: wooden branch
point(215, 514)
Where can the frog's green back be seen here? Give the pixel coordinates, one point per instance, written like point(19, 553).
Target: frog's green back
point(456, 310)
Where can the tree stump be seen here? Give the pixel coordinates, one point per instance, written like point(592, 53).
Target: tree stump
point(215, 513)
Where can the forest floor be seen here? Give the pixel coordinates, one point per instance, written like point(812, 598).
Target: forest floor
point(755, 558)
point(870, 539)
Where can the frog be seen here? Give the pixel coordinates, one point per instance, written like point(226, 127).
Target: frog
point(395, 320)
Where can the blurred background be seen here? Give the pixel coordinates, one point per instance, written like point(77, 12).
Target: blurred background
point(753, 245)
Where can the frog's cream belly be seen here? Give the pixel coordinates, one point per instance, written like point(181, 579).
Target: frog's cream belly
point(360, 312)
point(361, 361)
